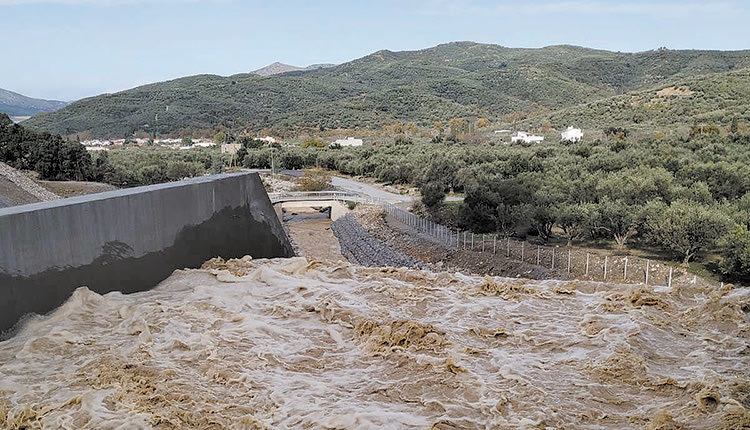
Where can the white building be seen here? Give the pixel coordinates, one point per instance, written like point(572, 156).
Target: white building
point(269, 140)
point(203, 143)
point(572, 134)
point(349, 141)
point(526, 138)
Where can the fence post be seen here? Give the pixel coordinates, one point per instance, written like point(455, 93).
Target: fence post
point(508, 252)
point(625, 271)
point(523, 246)
point(538, 255)
point(648, 263)
point(494, 245)
point(587, 264)
point(553, 258)
point(568, 262)
point(464, 240)
point(472, 240)
point(669, 284)
point(605, 267)
point(482, 242)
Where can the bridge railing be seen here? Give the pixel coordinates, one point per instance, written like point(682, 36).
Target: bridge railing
point(287, 196)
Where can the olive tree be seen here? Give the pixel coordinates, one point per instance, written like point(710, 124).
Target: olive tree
point(618, 219)
point(574, 219)
point(685, 227)
point(735, 251)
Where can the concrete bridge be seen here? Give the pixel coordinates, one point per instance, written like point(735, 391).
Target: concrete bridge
point(336, 200)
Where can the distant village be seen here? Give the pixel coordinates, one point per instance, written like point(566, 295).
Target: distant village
point(570, 134)
point(178, 144)
point(188, 144)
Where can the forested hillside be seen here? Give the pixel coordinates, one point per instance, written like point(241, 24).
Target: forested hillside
point(461, 79)
point(717, 98)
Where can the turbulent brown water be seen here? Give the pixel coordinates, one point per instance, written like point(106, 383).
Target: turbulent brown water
point(290, 344)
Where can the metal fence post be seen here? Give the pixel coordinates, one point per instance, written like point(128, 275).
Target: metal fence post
point(587, 264)
point(538, 255)
point(553, 258)
point(523, 245)
point(472, 240)
point(482, 242)
point(494, 245)
point(625, 270)
point(669, 284)
point(648, 263)
point(605, 267)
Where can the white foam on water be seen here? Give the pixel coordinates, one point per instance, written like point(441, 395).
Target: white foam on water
point(287, 343)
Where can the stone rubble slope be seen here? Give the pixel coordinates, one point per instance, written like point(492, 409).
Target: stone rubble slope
point(26, 183)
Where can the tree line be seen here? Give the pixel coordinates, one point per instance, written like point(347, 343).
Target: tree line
point(53, 157)
point(58, 159)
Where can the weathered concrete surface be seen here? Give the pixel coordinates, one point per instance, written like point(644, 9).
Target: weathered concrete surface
point(129, 240)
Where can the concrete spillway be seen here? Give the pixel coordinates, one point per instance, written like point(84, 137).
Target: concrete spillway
point(129, 240)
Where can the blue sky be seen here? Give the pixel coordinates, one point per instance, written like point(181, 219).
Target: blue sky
point(69, 49)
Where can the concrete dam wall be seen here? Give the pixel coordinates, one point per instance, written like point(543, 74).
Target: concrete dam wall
point(129, 240)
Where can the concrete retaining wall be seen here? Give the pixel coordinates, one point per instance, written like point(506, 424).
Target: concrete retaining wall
point(129, 240)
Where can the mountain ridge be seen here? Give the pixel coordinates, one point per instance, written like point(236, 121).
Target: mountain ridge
point(277, 68)
point(457, 79)
point(15, 104)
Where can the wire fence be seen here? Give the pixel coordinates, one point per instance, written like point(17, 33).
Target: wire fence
point(575, 263)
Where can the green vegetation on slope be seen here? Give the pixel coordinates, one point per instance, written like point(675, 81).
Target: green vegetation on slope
point(718, 98)
point(452, 80)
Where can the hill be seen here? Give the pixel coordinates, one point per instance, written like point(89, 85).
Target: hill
point(276, 68)
point(14, 104)
point(462, 79)
point(717, 98)
point(279, 68)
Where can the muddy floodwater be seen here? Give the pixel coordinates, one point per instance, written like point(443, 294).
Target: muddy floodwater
point(288, 343)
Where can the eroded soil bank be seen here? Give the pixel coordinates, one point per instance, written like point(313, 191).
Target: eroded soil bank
point(290, 343)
